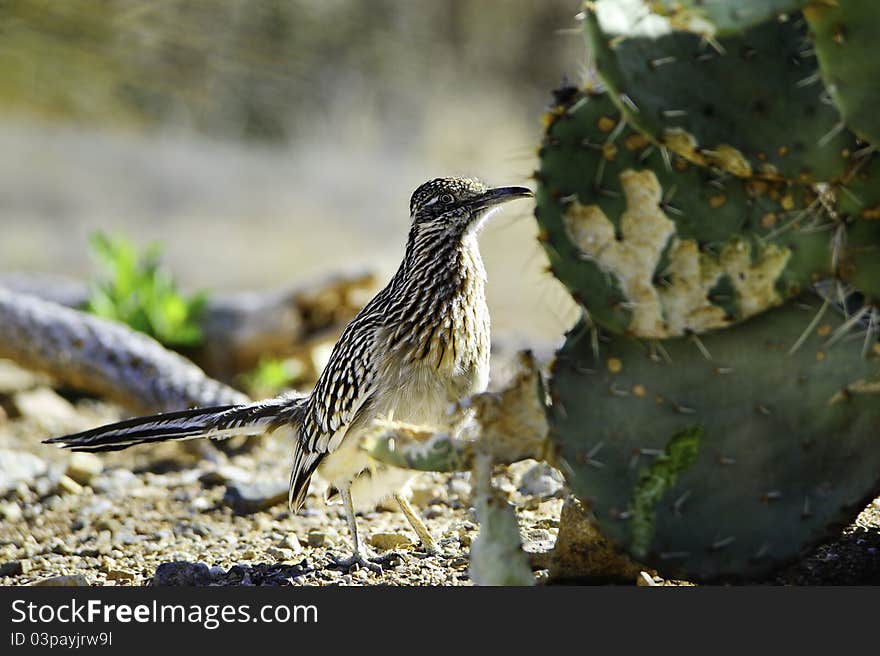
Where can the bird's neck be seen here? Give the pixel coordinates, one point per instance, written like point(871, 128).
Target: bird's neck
point(443, 262)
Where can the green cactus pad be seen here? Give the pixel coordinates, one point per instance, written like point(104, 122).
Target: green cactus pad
point(845, 38)
point(659, 247)
point(858, 204)
point(721, 17)
point(751, 104)
point(724, 458)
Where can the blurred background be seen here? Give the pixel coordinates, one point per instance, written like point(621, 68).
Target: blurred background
point(261, 142)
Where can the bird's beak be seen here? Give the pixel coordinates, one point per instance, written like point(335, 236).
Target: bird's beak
point(499, 195)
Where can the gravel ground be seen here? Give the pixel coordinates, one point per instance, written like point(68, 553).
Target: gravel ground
point(169, 515)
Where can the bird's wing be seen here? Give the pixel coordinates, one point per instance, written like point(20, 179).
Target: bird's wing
point(344, 388)
point(342, 392)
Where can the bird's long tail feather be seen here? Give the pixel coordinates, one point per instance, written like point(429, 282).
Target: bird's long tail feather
point(214, 423)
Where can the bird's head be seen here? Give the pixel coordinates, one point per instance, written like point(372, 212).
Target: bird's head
point(457, 206)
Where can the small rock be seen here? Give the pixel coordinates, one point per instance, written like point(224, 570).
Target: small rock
point(291, 542)
point(116, 481)
point(10, 511)
point(388, 541)
point(317, 538)
point(65, 580)
point(120, 575)
point(83, 467)
point(19, 466)
point(425, 495)
point(69, 486)
point(247, 498)
point(460, 487)
point(538, 540)
point(15, 567)
point(15, 379)
point(45, 406)
point(183, 573)
point(280, 555)
point(223, 475)
point(540, 481)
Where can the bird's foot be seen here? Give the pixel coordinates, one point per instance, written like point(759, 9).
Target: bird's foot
point(362, 559)
point(430, 548)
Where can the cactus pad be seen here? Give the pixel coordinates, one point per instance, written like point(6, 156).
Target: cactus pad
point(659, 247)
point(711, 18)
point(858, 204)
point(722, 458)
point(844, 34)
point(751, 103)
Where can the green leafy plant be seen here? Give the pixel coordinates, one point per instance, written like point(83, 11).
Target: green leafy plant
point(272, 375)
point(134, 289)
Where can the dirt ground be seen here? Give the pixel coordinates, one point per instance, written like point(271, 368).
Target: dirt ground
point(189, 515)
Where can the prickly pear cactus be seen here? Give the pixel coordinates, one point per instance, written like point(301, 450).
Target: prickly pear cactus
point(655, 246)
point(858, 208)
point(711, 18)
point(722, 457)
point(845, 38)
point(751, 103)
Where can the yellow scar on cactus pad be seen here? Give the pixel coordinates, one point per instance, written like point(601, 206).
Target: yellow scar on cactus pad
point(682, 306)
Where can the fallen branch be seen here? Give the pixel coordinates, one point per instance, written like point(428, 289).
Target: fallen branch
point(103, 357)
point(241, 328)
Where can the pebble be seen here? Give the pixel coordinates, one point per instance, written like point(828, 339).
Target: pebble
point(19, 466)
point(49, 409)
point(14, 379)
point(10, 511)
point(388, 541)
point(460, 487)
point(427, 494)
point(540, 480)
point(83, 467)
point(224, 475)
point(65, 580)
point(184, 573)
point(99, 507)
point(69, 486)
point(538, 540)
point(317, 538)
point(281, 555)
point(291, 542)
point(15, 567)
point(248, 498)
point(116, 482)
point(120, 575)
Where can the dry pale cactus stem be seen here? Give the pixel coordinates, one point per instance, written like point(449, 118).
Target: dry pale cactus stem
point(484, 430)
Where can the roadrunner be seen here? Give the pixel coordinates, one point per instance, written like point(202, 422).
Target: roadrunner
point(420, 344)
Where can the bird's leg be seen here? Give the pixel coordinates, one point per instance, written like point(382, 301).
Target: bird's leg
point(360, 555)
point(417, 525)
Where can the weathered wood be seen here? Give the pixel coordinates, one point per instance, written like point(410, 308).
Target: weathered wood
point(103, 357)
point(241, 328)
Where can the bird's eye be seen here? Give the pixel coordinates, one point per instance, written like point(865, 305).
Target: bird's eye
point(447, 199)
